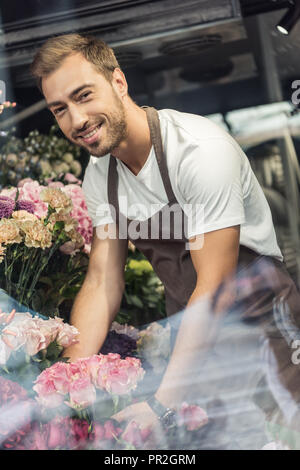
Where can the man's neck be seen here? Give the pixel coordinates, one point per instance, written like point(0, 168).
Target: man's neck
point(134, 151)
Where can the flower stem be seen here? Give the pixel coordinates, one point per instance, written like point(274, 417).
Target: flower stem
point(30, 265)
point(43, 264)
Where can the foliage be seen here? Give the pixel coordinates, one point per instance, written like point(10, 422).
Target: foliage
point(143, 299)
point(38, 156)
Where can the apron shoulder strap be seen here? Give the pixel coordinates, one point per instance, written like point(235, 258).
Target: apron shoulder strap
point(156, 139)
point(155, 133)
point(112, 187)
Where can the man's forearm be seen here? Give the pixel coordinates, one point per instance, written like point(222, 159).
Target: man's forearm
point(196, 334)
point(94, 309)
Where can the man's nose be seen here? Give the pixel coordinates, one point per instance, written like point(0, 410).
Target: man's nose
point(78, 118)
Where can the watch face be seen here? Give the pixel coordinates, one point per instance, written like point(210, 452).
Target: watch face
point(169, 419)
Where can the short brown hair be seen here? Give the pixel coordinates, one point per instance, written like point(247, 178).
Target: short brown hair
point(52, 53)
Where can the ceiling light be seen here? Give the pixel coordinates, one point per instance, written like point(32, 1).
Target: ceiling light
point(289, 20)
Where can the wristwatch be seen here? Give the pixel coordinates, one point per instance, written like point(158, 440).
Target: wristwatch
point(166, 416)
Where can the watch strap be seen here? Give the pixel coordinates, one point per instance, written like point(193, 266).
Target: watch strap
point(166, 416)
point(156, 406)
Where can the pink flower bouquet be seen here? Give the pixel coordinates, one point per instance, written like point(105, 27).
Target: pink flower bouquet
point(103, 382)
point(29, 344)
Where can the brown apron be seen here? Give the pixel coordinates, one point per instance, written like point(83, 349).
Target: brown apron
point(169, 257)
point(265, 292)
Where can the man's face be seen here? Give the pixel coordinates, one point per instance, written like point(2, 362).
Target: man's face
point(88, 109)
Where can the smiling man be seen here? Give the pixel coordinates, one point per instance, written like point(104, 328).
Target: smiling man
point(146, 168)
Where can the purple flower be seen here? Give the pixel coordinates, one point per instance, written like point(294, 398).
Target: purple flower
point(7, 206)
point(119, 344)
point(5, 198)
point(25, 206)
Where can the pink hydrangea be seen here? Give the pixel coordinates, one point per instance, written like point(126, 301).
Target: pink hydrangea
point(80, 212)
point(30, 191)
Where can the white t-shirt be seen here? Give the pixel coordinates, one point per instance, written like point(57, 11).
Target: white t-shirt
point(207, 169)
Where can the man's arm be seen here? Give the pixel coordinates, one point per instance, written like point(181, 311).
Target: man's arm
point(99, 298)
point(214, 263)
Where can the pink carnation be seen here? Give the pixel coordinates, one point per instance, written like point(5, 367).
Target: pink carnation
point(35, 340)
point(52, 384)
point(104, 434)
point(67, 335)
point(91, 365)
point(70, 178)
point(82, 393)
point(135, 435)
point(56, 184)
point(79, 434)
point(119, 376)
point(23, 181)
point(59, 433)
point(34, 335)
point(49, 328)
point(192, 417)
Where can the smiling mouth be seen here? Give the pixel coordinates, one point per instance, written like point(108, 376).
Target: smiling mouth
point(92, 136)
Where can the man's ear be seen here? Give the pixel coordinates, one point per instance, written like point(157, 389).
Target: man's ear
point(119, 83)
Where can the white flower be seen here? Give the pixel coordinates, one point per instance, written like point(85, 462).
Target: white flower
point(125, 330)
point(154, 345)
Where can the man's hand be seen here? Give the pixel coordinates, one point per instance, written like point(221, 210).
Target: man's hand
point(146, 419)
point(99, 298)
point(6, 104)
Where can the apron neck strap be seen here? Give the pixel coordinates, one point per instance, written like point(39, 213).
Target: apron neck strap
point(112, 187)
point(155, 134)
point(156, 139)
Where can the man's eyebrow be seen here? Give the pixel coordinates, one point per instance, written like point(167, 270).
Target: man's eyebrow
point(71, 95)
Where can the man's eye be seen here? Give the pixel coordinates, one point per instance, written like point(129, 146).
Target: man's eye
point(84, 95)
point(58, 110)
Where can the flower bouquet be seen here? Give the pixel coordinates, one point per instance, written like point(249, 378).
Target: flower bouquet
point(49, 403)
point(37, 156)
point(28, 241)
point(22, 426)
point(29, 344)
point(98, 386)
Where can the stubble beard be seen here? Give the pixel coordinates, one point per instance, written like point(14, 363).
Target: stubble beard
point(116, 131)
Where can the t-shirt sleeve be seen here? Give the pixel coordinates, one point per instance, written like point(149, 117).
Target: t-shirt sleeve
point(94, 187)
point(210, 182)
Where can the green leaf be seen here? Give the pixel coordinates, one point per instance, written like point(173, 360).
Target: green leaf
point(115, 399)
point(46, 280)
point(135, 300)
point(53, 350)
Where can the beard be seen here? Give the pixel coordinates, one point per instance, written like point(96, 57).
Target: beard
point(115, 128)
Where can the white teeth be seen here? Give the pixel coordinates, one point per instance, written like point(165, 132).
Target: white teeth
point(91, 133)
